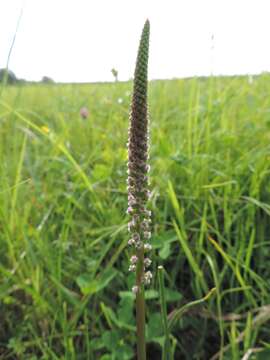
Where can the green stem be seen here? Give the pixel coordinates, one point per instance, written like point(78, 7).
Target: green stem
point(140, 307)
point(140, 318)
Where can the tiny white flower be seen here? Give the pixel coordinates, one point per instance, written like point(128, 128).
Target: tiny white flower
point(131, 225)
point(135, 289)
point(147, 235)
point(147, 247)
point(145, 225)
point(133, 259)
point(138, 244)
point(131, 242)
point(132, 268)
point(147, 262)
point(147, 212)
point(131, 197)
point(136, 237)
point(147, 277)
point(129, 210)
point(132, 202)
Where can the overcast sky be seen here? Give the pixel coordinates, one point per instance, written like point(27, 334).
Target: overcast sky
point(82, 40)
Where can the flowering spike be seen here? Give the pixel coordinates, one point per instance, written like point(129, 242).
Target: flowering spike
point(138, 168)
point(137, 184)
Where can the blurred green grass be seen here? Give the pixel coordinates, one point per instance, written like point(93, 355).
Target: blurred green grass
point(64, 282)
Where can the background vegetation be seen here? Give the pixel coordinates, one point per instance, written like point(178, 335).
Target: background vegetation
point(64, 282)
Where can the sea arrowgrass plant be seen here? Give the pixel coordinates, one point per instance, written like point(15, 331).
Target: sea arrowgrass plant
point(138, 193)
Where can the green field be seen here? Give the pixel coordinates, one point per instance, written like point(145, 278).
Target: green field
point(64, 281)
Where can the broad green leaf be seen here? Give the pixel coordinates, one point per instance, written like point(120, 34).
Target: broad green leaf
point(165, 251)
point(123, 352)
point(154, 327)
point(151, 294)
point(172, 295)
point(125, 311)
point(90, 286)
point(111, 339)
point(113, 319)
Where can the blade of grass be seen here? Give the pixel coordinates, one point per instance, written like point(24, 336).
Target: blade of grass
point(166, 351)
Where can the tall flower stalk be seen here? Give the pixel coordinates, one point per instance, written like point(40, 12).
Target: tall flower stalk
point(138, 192)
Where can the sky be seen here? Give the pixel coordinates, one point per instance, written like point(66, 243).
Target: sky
point(82, 40)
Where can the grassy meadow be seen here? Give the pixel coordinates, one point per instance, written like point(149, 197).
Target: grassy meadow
point(64, 280)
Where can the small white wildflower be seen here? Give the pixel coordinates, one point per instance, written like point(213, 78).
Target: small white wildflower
point(131, 225)
point(135, 289)
point(147, 235)
point(136, 219)
point(145, 224)
point(147, 262)
point(138, 244)
point(132, 268)
point(147, 277)
point(147, 247)
point(133, 259)
point(131, 242)
point(147, 212)
point(119, 100)
point(129, 210)
point(132, 202)
point(136, 237)
point(131, 197)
